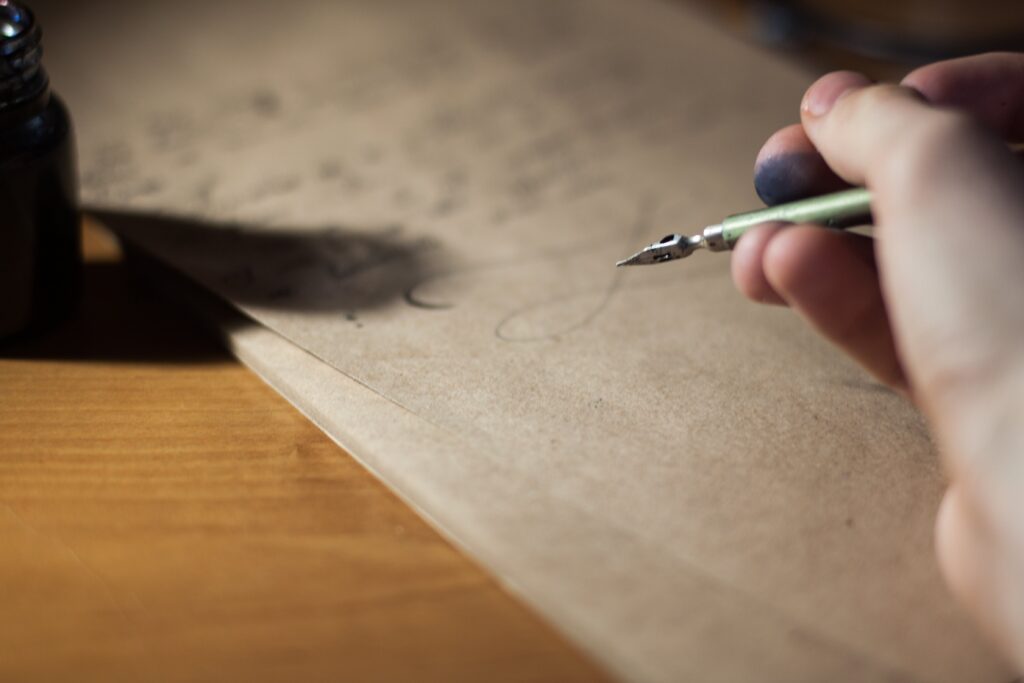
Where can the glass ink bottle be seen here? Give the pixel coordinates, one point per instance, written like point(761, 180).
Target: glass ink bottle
point(40, 262)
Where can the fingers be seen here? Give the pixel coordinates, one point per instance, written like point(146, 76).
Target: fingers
point(857, 128)
point(990, 87)
point(921, 161)
point(747, 265)
point(830, 279)
point(950, 231)
point(790, 168)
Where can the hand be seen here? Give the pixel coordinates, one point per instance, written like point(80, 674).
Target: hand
point(934, 306)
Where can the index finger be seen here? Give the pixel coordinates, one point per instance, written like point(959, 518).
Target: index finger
point(990, 87)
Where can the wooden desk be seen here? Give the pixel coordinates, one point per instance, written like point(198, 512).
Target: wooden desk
point(166, 516)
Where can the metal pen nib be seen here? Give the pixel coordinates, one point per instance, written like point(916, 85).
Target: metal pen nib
point(672, 247)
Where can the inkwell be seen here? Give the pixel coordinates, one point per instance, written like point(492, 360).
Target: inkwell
point(40, 260)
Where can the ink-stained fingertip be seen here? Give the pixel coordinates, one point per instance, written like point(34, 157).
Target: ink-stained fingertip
point(789, 168)
point(789, 177)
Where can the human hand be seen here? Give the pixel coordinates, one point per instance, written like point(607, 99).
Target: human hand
point(934, 306)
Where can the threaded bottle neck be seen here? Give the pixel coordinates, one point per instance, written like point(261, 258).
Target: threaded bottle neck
point(22, 78)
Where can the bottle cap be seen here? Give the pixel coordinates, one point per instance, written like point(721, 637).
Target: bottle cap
point(22, 79)
point(14, 20)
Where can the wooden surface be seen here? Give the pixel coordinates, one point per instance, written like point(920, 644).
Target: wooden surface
point(165, 516)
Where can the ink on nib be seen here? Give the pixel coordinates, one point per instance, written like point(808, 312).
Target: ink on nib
point(40, 259)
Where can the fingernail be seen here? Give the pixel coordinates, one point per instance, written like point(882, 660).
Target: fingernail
point(827, 90)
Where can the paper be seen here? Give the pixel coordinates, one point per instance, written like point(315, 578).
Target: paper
point(429, 198)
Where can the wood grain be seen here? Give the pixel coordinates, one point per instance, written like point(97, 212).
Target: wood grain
point(166, 516)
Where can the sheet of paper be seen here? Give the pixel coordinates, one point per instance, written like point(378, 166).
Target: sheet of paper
point(422, 204)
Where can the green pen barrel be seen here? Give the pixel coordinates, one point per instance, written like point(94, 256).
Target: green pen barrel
point(838, 210)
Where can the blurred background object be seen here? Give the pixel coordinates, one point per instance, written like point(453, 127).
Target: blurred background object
point(882, 37)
